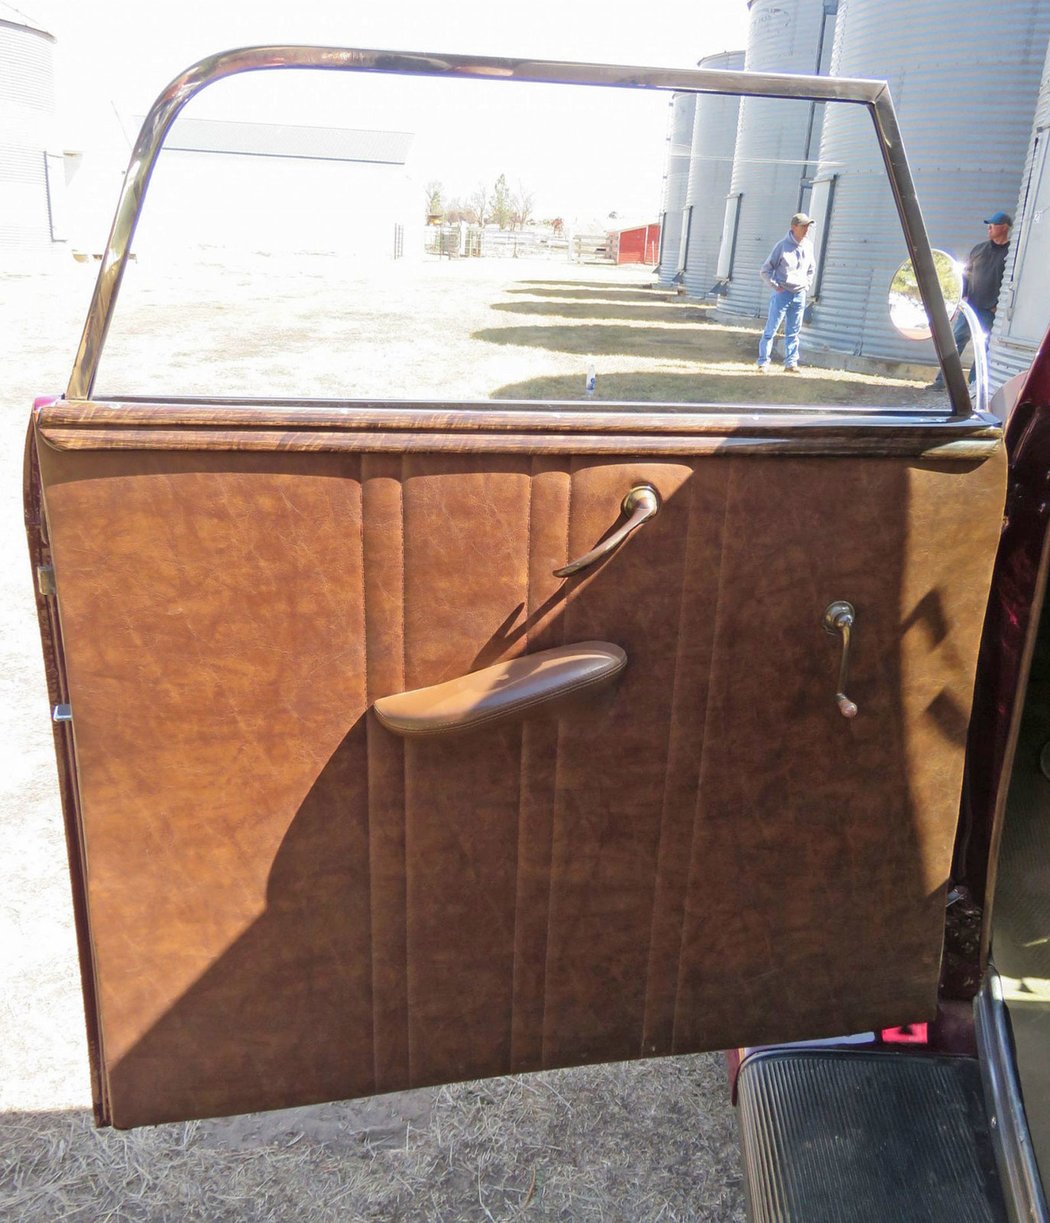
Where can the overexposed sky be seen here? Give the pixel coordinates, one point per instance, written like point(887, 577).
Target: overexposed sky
point(127, 49)
point(114, 56)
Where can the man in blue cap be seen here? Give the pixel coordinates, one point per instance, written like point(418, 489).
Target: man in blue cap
point(788, 273)
point(982, 280)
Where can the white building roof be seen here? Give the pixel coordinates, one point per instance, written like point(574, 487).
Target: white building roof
point(289, 140)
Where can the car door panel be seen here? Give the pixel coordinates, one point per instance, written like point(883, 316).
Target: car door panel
point(286, 903)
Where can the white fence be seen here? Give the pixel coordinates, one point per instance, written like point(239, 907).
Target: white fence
point(471, 241)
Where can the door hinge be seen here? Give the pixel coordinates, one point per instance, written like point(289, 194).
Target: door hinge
point(45, 579)
point(62, 713)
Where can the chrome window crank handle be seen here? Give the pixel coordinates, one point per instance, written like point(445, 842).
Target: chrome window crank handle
point(839, 617)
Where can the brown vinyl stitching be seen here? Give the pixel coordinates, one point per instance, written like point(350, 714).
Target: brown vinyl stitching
point(522, 782)
point(401, 530)
point(403, 551)
point(705, 740)
point(568, 529)
point(557, 791)
point(528, 550)
point(648, 1020)
point(515, 968)
point(372, 931)
point(361, 483)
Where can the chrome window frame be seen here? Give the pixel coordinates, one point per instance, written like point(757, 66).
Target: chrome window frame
point(874, 95)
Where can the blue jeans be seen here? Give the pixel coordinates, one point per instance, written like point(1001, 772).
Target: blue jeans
point(786, 305)
point(961, 333)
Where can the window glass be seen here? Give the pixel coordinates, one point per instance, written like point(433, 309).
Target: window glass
point(348, 236)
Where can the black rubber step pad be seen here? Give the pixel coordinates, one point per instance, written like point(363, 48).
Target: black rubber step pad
point(858, 1136)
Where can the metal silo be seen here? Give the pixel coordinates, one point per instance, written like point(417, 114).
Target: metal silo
point(710, 177)
point(964, 79)
point(1024, 304)
point(776, 148)
point(676, 180)
point(27, 89)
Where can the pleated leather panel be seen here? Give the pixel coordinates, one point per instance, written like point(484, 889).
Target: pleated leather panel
point(289, 904)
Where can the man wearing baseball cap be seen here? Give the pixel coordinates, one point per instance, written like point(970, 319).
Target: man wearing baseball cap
point(788, 272)
point(982, 280)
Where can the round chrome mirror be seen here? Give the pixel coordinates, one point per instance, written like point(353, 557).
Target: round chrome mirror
point(907, 313)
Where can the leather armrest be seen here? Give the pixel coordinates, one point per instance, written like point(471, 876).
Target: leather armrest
point(502, 692)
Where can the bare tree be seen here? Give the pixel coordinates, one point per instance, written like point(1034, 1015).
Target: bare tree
point(432, 191)
point(523, 205)
point(456, 210)
point(478, 205)
point(510, 210)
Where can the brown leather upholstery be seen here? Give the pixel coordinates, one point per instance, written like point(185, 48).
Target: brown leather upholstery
point(504, 692)
point(289, 904)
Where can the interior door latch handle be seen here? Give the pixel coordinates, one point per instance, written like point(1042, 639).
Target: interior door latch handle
point(839, 617)
point(640, 504)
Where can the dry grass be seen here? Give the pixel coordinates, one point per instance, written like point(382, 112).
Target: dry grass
point(652, 1141)
point(624, 1143)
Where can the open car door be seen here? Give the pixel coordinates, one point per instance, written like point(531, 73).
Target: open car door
point(363, 792)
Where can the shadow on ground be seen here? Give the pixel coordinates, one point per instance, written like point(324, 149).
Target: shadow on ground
point(631, 285)
point(593, 339)
point(651, 312)
point(574, 292)
point(684, 390)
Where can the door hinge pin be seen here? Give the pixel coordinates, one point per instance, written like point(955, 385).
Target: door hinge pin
point(45, 579)
point(62, 713)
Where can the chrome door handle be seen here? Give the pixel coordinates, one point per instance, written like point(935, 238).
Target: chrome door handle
point(839, 617)
point(640, 504)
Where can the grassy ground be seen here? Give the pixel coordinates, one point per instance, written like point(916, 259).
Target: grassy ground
point(652, 1141)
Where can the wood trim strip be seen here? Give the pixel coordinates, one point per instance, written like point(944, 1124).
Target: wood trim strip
point(550, 429)
point(942, 443)
point(513, 417)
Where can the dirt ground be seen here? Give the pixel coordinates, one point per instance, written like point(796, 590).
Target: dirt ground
point(644, 1142)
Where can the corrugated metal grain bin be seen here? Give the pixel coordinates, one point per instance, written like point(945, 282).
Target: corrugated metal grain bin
point(27, 88)
point(710, 177)
point(676, 181)
point(777, 145)
point(1024, 306)
point(964, 78)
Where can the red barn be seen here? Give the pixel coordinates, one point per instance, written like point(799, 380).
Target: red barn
point(638, 245)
